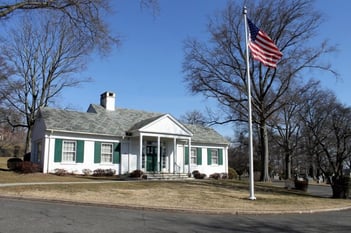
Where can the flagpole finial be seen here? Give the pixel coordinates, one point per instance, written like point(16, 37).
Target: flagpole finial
point(244, 10)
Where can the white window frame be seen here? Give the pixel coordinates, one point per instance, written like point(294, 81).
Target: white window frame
point(106, 153)
point(69, 153)
point(214, 157)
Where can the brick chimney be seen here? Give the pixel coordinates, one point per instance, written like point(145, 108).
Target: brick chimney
point(107, 100)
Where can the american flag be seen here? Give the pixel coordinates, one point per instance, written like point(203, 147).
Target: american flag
point(262, 47)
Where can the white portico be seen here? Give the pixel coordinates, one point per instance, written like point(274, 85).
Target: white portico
point(158, 144)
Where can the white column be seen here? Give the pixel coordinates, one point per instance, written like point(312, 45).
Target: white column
point(170, 158)
point(174, 165)
point(140, 167)
point(46, 150)
point(226, 159)
point(145, 160)
point(129, 160)
point(189, 162)
point(158, 154)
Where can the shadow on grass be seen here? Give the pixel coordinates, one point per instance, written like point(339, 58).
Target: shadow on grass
point(259, 187)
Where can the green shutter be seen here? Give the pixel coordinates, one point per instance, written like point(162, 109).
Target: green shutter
point(209, 156)
point(199, 156)
point(116, 153)
point(80, 151)
point(186, 162)
point(97, 152)
point(58, 150)
point(220, 156)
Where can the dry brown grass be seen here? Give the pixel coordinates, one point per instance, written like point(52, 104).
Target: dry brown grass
point(211, 196)
point(3, 162)
point(12, 177)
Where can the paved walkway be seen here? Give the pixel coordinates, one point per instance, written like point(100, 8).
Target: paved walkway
point(57, 182)
point(320, 190)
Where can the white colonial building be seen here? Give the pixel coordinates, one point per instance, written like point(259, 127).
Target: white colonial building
point(124, 140)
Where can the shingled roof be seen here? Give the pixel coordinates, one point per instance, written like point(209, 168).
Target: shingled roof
point(99, 121)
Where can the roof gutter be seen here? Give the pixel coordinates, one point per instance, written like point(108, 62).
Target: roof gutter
point(80, 132)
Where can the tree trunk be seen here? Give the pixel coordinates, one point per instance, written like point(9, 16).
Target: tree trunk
point(341, 187)
point(264, 153)
point(27, 148)
point(266, 176)
point(287, 165)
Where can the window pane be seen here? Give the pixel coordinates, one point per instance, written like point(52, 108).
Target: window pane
point(106, 152)
point(69, 151)
point(163, 156)
point(39, 151)
point(214, 155)
point(193, 156)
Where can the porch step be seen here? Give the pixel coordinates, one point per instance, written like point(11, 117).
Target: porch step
point(168, 176)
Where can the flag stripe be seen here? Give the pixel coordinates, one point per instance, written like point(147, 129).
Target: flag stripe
point(267, 45)
point(262, 47)
point(269, 61)
point(266, 52)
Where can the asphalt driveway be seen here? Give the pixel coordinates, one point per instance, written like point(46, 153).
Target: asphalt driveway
point(320, 190)
point(23, 216)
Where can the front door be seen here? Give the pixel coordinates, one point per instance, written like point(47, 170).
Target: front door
point(151, 158)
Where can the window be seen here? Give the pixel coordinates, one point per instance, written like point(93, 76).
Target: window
point(193, 156)
point(106, 152)
point(39, 151)
point(69, 151)
point(214, 156)
point(163, 156)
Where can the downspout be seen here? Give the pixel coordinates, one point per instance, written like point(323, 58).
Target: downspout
point(129, 159)
point(175, 164)
point(141, 152)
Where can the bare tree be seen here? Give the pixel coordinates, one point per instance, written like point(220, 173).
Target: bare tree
point(11, 140)
point(43, 51)
point(237, 154)
point(193, 117)
point(329, 134)
point(217, 68)
point(44, 56)
point(287, 124)
point(85, 16)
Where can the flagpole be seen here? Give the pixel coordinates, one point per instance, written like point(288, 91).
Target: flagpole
point(252, 191)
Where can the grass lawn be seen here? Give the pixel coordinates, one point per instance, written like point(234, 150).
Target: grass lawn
point(215, 196)
point(3, 162)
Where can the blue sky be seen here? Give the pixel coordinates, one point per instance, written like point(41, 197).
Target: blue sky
point(145, 72)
